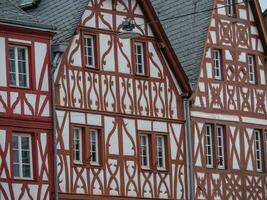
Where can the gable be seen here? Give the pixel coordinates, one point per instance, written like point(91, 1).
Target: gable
point(143, 13)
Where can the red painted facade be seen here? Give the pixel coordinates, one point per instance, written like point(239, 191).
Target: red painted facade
point(26, 111)
point(122, 106)
point(232, 98)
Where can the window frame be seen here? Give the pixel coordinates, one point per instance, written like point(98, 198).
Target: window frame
point(80, 146)
point(215, 147)
point(230, 4)
point(16, 60)
point(222, 146)
point(152, 151)
point(95, 38)
point(98, 144)
point(260, 150)
point(163, 152)
point(144, 57)
point(148, 151)
point(253, 71)
point(211, 164)
point(86, 146)
point(214, 65)
point(20, 135)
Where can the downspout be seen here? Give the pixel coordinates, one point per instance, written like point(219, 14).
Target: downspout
point(54, 66)
point(189, 153)
point(57, 51)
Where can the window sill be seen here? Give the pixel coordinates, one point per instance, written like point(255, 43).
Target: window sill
point(91, 68)
point(22, 180)
point(141, 76)
point(20, 87)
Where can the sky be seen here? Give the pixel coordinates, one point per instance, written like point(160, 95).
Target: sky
point(263, 4)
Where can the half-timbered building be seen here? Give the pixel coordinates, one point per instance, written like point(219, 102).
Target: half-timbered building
point(26, 159)
point(119, 102)
point(222, 47)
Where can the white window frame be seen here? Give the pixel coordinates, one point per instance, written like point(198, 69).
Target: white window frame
point(95, 132)
point(217, 68)
point(163, 152)
point(137, 62)
point(230, 8)
point(20, 135)
point(220, 139)
point(258, 150)
point(80, 145)
point(16, 60)
point(86, 52)
point(208, 146)
point(146, 145)
point(251, 69)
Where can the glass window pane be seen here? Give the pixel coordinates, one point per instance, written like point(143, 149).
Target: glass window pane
point(11, 52)
point(25, 143)
point(26, 171)
point(16, 170)
point(15, 156)
point(25, 157)
point(15, 142)
point(12, 66)
point(22, 80)
point(13, 79)
point(22, 67)
point(21, 54)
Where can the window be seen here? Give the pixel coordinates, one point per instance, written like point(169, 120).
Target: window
point(160, 151)
point(144, 151)
point(230, 8)
point(22, 156)
point(86, 146)
point(139, 58)
point(215, 146)
point(251, 69)
point(258, 152)
point(89, 51)
point(216, 54)
point(208, 145)
point(94, 149)
point(18, 66)
point(220, 147)
point(153, 151)
point(265, 133)
point(77, 145)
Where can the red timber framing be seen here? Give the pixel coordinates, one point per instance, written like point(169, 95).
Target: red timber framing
point(234, 103)
point(122, 105)
point(26, 112)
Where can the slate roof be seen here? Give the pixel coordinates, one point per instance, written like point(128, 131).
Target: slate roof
point(187, 34)
point(11, 14)
point(65, 15)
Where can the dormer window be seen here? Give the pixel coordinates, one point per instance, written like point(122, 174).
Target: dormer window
point(89, 51)
point(230, 8)
point(18, 66)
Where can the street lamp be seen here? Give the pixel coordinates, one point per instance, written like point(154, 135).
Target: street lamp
point(128, 25)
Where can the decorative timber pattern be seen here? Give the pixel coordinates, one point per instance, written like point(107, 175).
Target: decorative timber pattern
point(233, 102)
point(122, 105)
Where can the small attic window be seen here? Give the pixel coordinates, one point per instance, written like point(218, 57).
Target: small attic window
point(27, 4)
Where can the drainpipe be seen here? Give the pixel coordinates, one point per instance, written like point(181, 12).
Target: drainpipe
point(189, 155)
point(57, 51)
point(54, 65)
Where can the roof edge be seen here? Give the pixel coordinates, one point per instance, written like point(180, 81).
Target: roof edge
point(168, 51)
point(256, 9)
point(32, 26)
